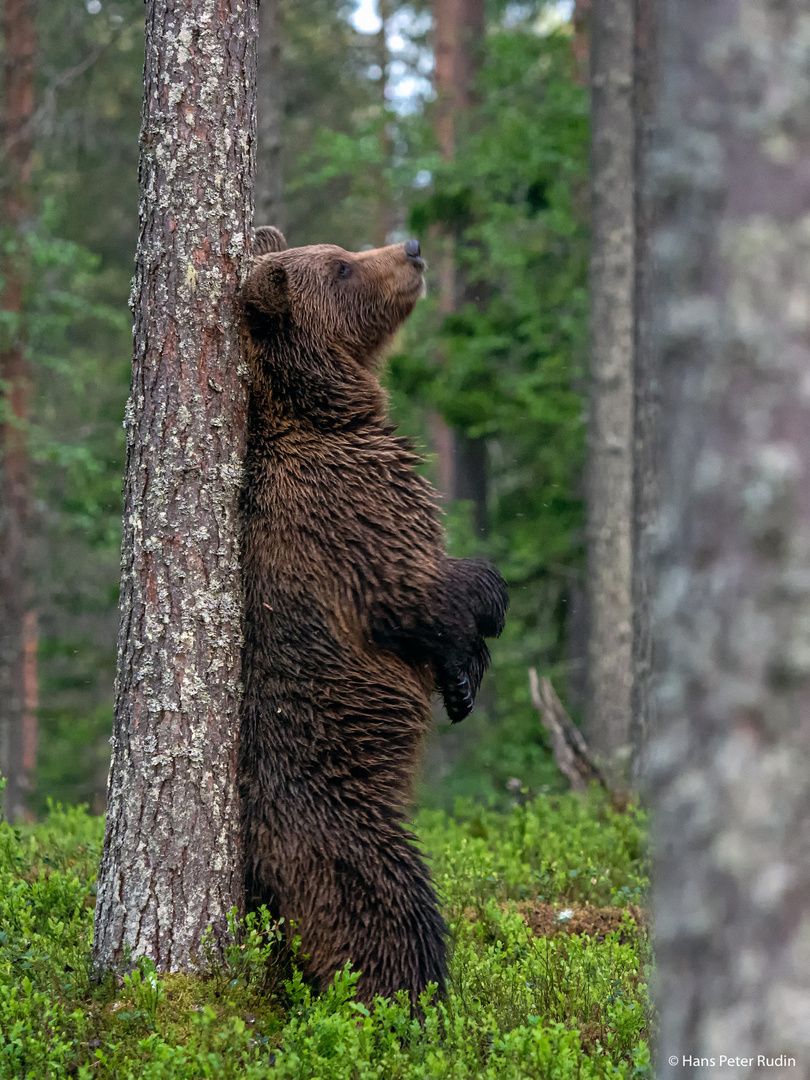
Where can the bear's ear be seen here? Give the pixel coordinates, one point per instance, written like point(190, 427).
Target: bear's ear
point(266, 288)
point(267, 239)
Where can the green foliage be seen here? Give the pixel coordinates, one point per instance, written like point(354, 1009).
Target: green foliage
point(73, 340)
point(507, 367)
point(555, 849)
point(77, 330)
point(519, 1007)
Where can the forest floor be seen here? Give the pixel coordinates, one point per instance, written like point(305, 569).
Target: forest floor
point(550, 960)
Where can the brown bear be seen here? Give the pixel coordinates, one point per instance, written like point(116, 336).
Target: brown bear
point(354, 618)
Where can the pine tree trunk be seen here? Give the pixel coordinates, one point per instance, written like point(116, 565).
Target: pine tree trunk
point(459, 27)
point(15, 211)
point(270, 208)
point(580, 43)
point(171, 865)
point(382, 56)
point(730, 769)
point(645, 462)
point(610, 429)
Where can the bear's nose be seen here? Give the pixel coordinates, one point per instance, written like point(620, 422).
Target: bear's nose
point(412, 249)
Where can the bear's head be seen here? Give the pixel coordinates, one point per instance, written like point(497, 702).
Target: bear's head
point(325, 301)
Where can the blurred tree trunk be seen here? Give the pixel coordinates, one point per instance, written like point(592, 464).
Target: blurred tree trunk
point(459, 27)
point(172, 863)
point(270, 208)
point(646, 405)
point(730, 769)
point(15, 213)
point(610, 429)
point(385, 203)
point(581, 39)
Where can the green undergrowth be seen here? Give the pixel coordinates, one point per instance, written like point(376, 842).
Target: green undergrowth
point(518, 1007)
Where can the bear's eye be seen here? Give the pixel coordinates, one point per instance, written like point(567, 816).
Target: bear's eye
point(344, 270)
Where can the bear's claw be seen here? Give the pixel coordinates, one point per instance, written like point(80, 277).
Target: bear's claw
point(458, 699)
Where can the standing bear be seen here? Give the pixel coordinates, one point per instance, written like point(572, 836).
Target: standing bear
point(354, 618)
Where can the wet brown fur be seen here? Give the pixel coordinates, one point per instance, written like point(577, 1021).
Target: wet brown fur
point(354, 618)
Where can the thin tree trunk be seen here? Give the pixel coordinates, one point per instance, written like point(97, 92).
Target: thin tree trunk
point(730, 770)
point(458, 34)
point(385, 205)
point(270, 209)
point(458, 30)
point(610, 430)
point(645, 464)
point(30, 730)
point(581, 38)
point(171, 865)
point(447, 16)
point(15, 211)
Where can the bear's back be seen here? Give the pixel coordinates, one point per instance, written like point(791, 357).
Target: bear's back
point(326, 519)
point(328, 516)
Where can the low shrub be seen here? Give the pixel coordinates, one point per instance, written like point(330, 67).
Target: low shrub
point(519, 1007)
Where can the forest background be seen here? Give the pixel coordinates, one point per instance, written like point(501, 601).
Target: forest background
point(362, 165)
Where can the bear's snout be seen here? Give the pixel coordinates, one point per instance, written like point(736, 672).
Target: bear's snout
point(413, 253)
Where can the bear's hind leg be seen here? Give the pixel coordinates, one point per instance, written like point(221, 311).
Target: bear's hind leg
point(372, 901)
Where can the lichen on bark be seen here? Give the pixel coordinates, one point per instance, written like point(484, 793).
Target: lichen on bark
point(730, 769)
point(171, 864)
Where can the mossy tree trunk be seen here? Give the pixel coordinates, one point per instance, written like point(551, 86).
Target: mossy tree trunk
point(730, 768)
point(16, 720)
point(171, 864)
point(610, 426)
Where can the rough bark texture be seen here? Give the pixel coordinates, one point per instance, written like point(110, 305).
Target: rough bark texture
point(171, 863)
point(645, 393)
point(17, 110)
point(730, 769)
point(459, 27)
point(270, 208)
point(610, 430)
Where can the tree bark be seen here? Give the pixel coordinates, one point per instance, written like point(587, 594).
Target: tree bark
point(15, 211)
point(730, 770)
point(645, 395)
point(458, 33)
point(580, 44)
point(610, 429)
point(385, 203)
point(172, 863)
point(270, 208)
point(459, 27)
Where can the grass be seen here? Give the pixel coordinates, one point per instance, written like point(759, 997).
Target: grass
point(520, 1006)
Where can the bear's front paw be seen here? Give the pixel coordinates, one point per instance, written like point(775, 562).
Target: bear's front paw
point(477, 585)
point(459, 683)
point(458, 698)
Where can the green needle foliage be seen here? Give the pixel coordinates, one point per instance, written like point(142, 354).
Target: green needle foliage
point(519, 1007)
point(506, 367)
